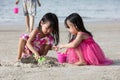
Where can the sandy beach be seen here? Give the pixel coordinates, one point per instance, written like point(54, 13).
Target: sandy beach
point(106, 34)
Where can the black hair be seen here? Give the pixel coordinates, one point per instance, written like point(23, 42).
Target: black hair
point(52, 18)
point(76, 19)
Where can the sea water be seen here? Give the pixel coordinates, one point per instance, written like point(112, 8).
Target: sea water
point(90, 10)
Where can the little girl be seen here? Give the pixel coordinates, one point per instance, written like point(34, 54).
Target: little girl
point(82, 49)
point(40, 39)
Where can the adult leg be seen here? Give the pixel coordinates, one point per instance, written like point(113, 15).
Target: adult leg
point(21, 46)
point(25, 9)
point(27, 20)
point(31, 22)
point(32, 13)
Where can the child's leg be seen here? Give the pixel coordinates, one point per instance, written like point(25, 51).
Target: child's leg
point(21, 46)
point(80, 56)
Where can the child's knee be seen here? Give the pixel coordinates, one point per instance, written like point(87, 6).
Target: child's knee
point(22, 40)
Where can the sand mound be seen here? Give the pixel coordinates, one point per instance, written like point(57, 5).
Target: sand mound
point(31, 63)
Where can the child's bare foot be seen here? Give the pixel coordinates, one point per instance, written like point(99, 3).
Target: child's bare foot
point(18, 60)
point(80, 63)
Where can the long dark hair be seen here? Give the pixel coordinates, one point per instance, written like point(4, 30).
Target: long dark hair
point(52, 18)
point(76, 19)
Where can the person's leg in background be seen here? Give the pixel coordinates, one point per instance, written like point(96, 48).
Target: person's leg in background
point(27, 21)
point(32, 13)
point(26, 14)
point(31, 22)
point(29, 8)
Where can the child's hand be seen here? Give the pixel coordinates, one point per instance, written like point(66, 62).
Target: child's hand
point(37, 56)
point(55, 48)
point(61, 46)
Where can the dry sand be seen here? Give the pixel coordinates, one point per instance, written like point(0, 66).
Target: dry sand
point(107, 34)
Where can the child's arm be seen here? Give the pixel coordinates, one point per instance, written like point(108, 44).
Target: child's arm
point(54, 48)
point(31, 37)
point(38, 2)
point(74, 43)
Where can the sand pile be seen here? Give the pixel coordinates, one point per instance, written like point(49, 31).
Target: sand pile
point(31, 63)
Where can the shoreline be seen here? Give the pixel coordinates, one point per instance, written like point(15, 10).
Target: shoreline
point(60, 22)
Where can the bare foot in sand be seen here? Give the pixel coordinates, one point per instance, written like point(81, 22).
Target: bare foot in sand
point(80, 63)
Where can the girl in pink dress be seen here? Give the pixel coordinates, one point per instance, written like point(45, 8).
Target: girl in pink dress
point(40, 39)
point(82, 49)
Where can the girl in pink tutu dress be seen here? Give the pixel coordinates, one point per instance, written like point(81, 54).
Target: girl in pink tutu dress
point(40, 39)
point(82, 49)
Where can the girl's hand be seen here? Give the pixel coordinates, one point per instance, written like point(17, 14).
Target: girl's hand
point(61, 46)
point(55, 48)
point(37, 56)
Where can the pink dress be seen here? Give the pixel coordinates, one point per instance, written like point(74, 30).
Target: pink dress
point(37, 42)
point(91, 51)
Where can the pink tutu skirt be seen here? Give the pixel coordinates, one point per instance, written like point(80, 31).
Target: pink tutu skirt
point(92, 53)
